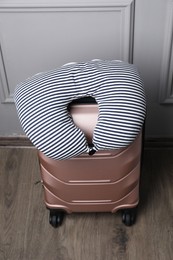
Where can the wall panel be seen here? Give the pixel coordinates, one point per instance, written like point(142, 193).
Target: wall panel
point(40, 35)
point(166, 81)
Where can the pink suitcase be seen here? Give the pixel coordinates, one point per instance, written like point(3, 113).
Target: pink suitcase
point(105, 182)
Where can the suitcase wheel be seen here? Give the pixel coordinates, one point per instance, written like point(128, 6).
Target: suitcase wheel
point(129, 216)
point(56, 218)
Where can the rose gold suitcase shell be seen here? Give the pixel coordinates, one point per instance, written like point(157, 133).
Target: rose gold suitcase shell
point(104, 182)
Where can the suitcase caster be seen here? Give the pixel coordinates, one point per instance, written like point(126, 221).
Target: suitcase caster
point(56, 218)
point(129, 216)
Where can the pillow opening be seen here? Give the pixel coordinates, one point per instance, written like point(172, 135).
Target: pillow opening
point(83, 100)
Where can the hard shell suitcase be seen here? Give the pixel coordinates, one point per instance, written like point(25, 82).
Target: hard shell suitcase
point(73, 180)
point(104, 182)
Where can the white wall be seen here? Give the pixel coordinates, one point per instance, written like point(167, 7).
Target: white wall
point(39, 35)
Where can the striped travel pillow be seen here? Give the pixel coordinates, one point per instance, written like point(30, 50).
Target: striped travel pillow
point(42, 101)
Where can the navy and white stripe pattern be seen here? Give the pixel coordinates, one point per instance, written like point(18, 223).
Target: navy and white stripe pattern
point(42, 102)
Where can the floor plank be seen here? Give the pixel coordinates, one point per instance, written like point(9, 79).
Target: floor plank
point(25, 233)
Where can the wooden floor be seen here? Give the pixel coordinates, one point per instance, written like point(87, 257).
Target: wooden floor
point(26, 234)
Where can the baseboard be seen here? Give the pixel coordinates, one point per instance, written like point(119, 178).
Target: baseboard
point(23, 141)
point(158, 143)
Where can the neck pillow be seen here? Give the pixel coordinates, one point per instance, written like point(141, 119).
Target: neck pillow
point(42, 101)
